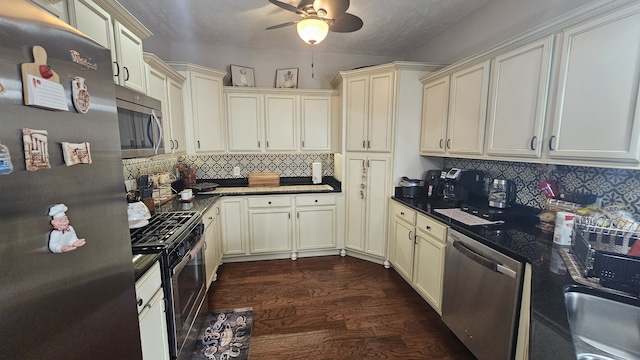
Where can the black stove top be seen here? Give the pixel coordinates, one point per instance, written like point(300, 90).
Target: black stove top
point(164, 231)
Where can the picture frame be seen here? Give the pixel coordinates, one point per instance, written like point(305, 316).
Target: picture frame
point(242, 76)
point(287, 78)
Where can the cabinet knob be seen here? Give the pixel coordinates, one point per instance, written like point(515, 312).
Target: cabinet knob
point(402, 213)
point(428, 227)
point(139, 302)
point(269, 202)
point(316, 200)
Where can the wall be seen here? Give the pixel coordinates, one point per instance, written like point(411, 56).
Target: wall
point(494, 23)
point(612, 185)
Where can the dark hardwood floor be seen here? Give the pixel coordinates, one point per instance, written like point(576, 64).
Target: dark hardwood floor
point(333, 308)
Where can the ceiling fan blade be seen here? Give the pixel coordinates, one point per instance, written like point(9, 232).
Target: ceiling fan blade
point(346, 23)
point(333, 8)
point(289, 7)
point(282, 25)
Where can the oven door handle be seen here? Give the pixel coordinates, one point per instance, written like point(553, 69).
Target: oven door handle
point(490, 264)
point(185, 260)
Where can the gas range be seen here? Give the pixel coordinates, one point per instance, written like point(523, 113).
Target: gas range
point(164, 232)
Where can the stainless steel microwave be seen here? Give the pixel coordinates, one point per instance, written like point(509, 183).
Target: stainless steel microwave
point(140, 123)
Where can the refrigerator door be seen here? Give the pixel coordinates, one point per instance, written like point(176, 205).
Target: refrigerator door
point(79, 304)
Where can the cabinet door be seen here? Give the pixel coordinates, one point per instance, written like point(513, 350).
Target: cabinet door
point(357, 113)
point(403, 242)
point(270, 230)
point(315, 123)
point(153, 329)
point(429, 269)
point(95, 22)
point(597, 113)
point(356, 176)
point(130, 60)
point(377, 197)
point(157, 88)
point(212, 239)
point(517, 105)
point(316, 227)
point(176, 115)
point(468, 110)
point(381, 105)
point(281, 122)
point(244, 116)
point(233, 226)
point(435, 104)
point(207, 105)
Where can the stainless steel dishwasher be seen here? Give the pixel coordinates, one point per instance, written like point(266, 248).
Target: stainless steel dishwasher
point(481, 297)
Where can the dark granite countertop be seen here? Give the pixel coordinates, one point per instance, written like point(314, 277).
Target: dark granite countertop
point(550, 336)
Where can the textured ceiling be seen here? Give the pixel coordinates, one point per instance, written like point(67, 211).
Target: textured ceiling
point(391, 27)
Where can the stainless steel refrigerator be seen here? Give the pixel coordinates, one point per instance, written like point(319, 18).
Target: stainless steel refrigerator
point(78, 304)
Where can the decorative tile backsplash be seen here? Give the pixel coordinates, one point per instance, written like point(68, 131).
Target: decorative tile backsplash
point(221, 166)
point(612, 185)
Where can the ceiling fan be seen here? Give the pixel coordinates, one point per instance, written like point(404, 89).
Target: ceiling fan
point(319, 17)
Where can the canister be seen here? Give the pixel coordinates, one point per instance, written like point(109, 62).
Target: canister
point(564, 228)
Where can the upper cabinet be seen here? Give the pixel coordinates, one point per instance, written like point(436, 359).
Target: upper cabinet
point(166, 85)
point(454, 112)
point(276, 120)
point(204, 107)
point(597, 113)
point(518, 99)
point(369, 103)
point(113, 27)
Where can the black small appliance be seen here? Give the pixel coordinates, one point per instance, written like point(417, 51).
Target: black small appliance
point(464, 186)
point(410, 187)
point(433, 183)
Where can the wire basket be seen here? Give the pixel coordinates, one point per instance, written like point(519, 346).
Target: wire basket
point(605, 238)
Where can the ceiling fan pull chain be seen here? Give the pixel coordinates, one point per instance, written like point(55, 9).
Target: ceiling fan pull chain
point(312, 68)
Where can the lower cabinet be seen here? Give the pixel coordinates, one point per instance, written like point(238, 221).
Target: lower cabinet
point(416, 251)
point(151, 315)
point(315, 222)
point(233, 225)
point(213, 249)
point(270, 224)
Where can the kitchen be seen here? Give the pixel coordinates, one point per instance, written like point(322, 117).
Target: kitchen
point(413, 167)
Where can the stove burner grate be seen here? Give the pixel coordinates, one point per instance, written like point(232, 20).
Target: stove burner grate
point(162, 230)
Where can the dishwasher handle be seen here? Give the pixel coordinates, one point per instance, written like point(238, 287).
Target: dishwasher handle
point(490, 264)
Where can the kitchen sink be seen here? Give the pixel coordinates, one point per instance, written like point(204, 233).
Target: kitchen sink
point(604, 326)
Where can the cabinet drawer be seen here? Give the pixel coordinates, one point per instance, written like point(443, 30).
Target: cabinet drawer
point(269, 201)
point(147, 285)
point(433, 227)
point(315, 200)
point(405, 213)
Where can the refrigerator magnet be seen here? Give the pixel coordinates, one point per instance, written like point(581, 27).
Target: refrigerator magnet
point(63, 237)
point(81, 98)
point(6, 167)
point(76, 153)
point(41, 85)
point(36, 150)
point(1, 89)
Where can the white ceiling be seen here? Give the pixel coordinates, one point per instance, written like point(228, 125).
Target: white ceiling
point(391, 27)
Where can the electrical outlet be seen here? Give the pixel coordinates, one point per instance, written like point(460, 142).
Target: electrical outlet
point(236, 171)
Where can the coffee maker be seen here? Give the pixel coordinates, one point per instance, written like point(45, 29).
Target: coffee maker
point(502, 193)
point(464, 186)
point(433, 183)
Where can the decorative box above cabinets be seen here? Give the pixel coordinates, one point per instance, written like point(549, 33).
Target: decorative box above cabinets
point(518, 99)
point(204, 107)
point(597, 108)
point(270, 120)
point(454, 112)
point(113, 27)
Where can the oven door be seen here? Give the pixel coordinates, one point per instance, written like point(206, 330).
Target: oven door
point(188, 291)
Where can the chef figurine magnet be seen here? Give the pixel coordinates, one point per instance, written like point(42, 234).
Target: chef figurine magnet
point(63, 237)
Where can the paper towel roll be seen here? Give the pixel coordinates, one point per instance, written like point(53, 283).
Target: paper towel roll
point(316, 173)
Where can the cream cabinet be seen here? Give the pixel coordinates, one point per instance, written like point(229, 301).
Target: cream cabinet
point(204, 108)
point(213, 248)
point(166, 85)
point(369, 104)
point(367, 190)
point(454, 112)
point(402, 238)
point(113, 27)
point(233, 225)
point(597, 100)
point(270, 226)
point(315, 122)
point(518, 99)
point(151, 315)
point(245, 118)
point(315, 222)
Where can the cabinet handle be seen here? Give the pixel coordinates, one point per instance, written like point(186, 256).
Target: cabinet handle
point(533, 145)
point(198, 144)
point(302, 143)
point(177, 144)
point(205, 245)
point(448, 143)
point(217, 211)
point(551, 142)
point(368, 163)
point(441, 144)
point(410, 234)
point(210, 218)
point(402, 213)
point(364, 144)
point(258, 143)
point(171, 142)
point(267, 143)
point(148, 306)
point(126, 70)
point(133, 144)
point(139, 302)
point(368, 144)
point(362, 194)
point(117, 68)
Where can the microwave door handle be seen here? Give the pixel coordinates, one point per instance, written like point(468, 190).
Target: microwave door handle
point(156, 147)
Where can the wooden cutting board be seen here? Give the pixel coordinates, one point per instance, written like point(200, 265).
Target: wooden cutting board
point(270, 179)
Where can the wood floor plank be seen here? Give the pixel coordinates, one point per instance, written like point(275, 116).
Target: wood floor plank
point(333, 308)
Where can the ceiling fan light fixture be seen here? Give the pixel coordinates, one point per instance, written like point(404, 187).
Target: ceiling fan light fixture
point(312, 30)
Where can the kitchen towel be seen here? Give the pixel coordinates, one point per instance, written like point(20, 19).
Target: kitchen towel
point(316, 172)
